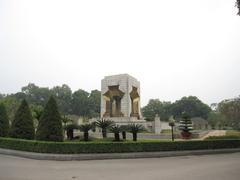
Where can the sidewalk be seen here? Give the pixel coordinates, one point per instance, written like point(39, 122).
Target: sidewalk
point(71, 157)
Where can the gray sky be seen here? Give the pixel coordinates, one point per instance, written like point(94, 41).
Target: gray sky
point(174, 48)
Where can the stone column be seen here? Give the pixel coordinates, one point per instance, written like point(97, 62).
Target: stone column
point(157, 125)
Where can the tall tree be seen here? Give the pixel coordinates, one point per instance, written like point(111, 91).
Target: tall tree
point(22, 125)
point(11, 104)
point(192, 106)
point(4, 121)
point(94, 103)
point(50, 124)
point(36, 95)
point(231, 110)
point(63, 96)
point(238, 6)
point(80, 103)
point(155, 106)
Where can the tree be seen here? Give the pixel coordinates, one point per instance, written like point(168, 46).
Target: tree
point(104, 125)
point(4, 122)
point(134, 129)
point(217, 120)
point(185, 125)
point(124, 129)
point(70, 129)
point(238, 6)
point(116, 130)
point(85, 128)
point(94, 103)
point(50, 124)
point(36, 95)
point(22, 125)
point(80, 103)
point(192, 106)
point(11, 104)
point(231, 110)
point(63, 96)
point(155, 106)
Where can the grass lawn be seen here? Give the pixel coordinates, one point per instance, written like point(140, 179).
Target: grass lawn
point(233, 133)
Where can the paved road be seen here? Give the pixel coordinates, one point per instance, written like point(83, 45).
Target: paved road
point(207, 167)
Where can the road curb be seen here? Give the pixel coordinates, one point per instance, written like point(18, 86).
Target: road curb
point(102, 156)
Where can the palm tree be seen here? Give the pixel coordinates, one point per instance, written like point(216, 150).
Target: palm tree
point(124, 129)
point(85, 128)
point(134, 129)
point(116, 130)
point(104, 125)
point(70, 128)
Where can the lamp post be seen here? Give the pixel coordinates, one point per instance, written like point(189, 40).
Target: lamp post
point(172, 124)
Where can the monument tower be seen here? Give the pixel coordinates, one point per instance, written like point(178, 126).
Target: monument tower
point(120, 99)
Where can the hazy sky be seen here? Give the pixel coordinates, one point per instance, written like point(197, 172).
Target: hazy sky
point(174, 48)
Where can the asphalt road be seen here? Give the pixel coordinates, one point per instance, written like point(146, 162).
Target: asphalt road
point(206, 167)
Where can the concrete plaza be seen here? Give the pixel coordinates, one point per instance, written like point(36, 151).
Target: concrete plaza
point(207, 167)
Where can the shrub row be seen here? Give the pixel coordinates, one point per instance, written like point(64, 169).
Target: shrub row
point(113, 147)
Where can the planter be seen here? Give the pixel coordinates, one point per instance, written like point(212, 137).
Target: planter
point(186, 135)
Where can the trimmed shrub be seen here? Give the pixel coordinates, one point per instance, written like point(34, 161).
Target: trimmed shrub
point(4, 121)
point(22, 125)
point(50, 125)
point(113, 147)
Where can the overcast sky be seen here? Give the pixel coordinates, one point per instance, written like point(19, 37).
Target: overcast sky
point(174, 48)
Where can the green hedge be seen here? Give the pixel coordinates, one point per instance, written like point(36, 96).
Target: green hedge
point(113, 147)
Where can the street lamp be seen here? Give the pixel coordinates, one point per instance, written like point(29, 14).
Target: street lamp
point(172, 124)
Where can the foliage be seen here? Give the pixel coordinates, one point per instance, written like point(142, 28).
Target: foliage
point(116, 130)
point(185, 123)
point(134, 129)
point(217, 120)
point(35, 94)
point(80, 103)
point(192, 106)
point(70, 128)
point(104, 125)
point(4, 122)
point(155, 106)
point(113, 147)
point(63, 95)
point(22, 126)
point(231, 110)
point(50, 124)
point(238, 6)
point(85, 128)
point(11, 104)
point(94, 103)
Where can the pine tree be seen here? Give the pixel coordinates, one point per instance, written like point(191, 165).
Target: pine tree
point(50, 124)
point(185, 125)
point(4, 121)
point(22, 125)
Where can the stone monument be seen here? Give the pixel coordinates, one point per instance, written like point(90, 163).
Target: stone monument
point(120, 99)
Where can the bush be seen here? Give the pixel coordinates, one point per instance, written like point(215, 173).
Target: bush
point(22, 125)
point(113, 147)
point(50, 124)
point(4, 121)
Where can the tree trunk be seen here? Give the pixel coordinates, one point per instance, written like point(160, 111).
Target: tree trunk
point(85, 134)
point(134, 136)
point(104, 133)
point(116, 135)
point(70, 134)
point(124, 135)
